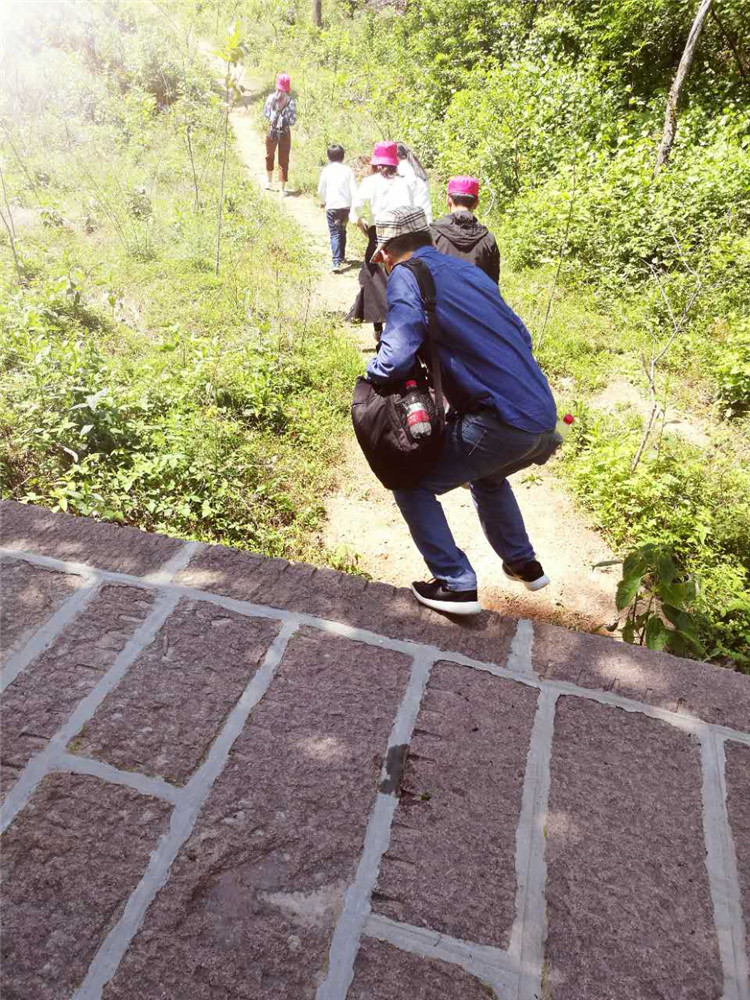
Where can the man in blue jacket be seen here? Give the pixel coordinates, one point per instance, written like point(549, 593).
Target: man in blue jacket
point(502, 412)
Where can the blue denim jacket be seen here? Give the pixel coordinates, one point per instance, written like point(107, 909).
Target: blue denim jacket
point(485, 350)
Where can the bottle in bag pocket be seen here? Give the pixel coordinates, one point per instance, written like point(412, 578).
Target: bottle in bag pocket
point(417, 415)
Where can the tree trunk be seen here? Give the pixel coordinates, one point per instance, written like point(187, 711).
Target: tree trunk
point(670, 117)
point(318, 13)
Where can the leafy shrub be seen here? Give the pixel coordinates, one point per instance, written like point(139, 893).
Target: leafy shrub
point(622, 219)
point(658, 597)
point(516, 124)
point(670, 501)
point(195, 440)
point(732, 372)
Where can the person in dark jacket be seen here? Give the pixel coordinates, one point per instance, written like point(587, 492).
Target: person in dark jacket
point(458, 234)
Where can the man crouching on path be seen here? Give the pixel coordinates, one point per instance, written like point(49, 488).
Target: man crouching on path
point(502, 414)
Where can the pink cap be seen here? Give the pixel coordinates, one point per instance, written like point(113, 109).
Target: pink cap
point(464, 185)
point(384, 154)
point(283, 82)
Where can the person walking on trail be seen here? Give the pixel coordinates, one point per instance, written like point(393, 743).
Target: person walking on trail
point(337, 190)
point(458, 233)
point(281, 111)
point(410, 168)
point(502, 415)
point(383, 189)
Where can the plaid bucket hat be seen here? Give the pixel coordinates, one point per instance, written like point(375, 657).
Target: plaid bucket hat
point(398, 222)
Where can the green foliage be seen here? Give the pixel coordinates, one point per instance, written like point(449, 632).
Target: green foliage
point(732, 372)
point(516, 124)
point(136, 386)
point(651, 577)
point(702, 521)
point(623, 220)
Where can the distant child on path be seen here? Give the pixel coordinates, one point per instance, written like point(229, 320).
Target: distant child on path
point(458, 233)
point(281, 111)
point(337, 189)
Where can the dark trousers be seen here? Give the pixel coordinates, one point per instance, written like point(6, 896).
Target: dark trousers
point(337, 219)
point(284, 142)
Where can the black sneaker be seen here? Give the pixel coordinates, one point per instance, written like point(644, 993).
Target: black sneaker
point(530, 574)
point(436, 595)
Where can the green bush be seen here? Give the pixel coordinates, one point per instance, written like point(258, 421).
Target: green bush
point(670, 501)
point(519, 123)
point(620, 221)
point(732, 371)
point(193, 437)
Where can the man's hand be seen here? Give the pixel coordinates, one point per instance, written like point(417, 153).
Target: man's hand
point(363, 226)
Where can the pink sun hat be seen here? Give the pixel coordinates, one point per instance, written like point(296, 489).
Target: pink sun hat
point(464, 185)
point(384, 154)
point(283, 82)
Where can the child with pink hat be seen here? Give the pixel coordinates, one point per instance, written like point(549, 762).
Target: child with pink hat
point(383, 190)
point(458, 233)
point(281, 111)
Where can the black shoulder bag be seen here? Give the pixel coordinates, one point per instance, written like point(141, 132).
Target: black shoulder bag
point(379, 413)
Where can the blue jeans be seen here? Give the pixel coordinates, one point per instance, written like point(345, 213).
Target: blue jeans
point(483, 451)
point(337, 219)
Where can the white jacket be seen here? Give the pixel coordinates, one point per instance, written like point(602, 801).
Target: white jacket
point(383, 194)
point(337, 187)
point(421, 189)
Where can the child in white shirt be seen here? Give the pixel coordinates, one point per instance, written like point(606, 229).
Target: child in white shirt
point(336, 190)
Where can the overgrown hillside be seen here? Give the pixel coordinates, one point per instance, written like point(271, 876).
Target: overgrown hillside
point(558, 106)
point(136, 383)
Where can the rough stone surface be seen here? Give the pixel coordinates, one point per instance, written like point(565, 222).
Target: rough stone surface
point(382, 972)
point(247, 910)
point(42, 698)
point(335, 596)
point(30, 596)
point(255, 893)
point(70, 861)
point(738, 807)
point(81, 539)
point(451, 861)
point(711, 693)
point(628, 900)
point(163, 716)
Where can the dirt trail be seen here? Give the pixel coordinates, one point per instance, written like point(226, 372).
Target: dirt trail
point(362, 516)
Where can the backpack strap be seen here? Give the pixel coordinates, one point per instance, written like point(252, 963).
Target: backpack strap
point(427, 288)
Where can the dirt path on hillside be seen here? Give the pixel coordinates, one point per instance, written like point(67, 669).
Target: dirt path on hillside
point(362, 516)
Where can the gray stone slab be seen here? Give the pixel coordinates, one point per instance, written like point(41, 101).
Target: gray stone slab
point(254, 895)
point(163, 716)
point(70, 861)
point(738, 807)
point(628, 899)
point(450, 865)
point(711, 693)
point(382, 972)
point(30, 596)
point(377, 607)
point(42, 698)
point(82, 539)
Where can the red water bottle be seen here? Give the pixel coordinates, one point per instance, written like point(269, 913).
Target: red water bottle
point(417, 417)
